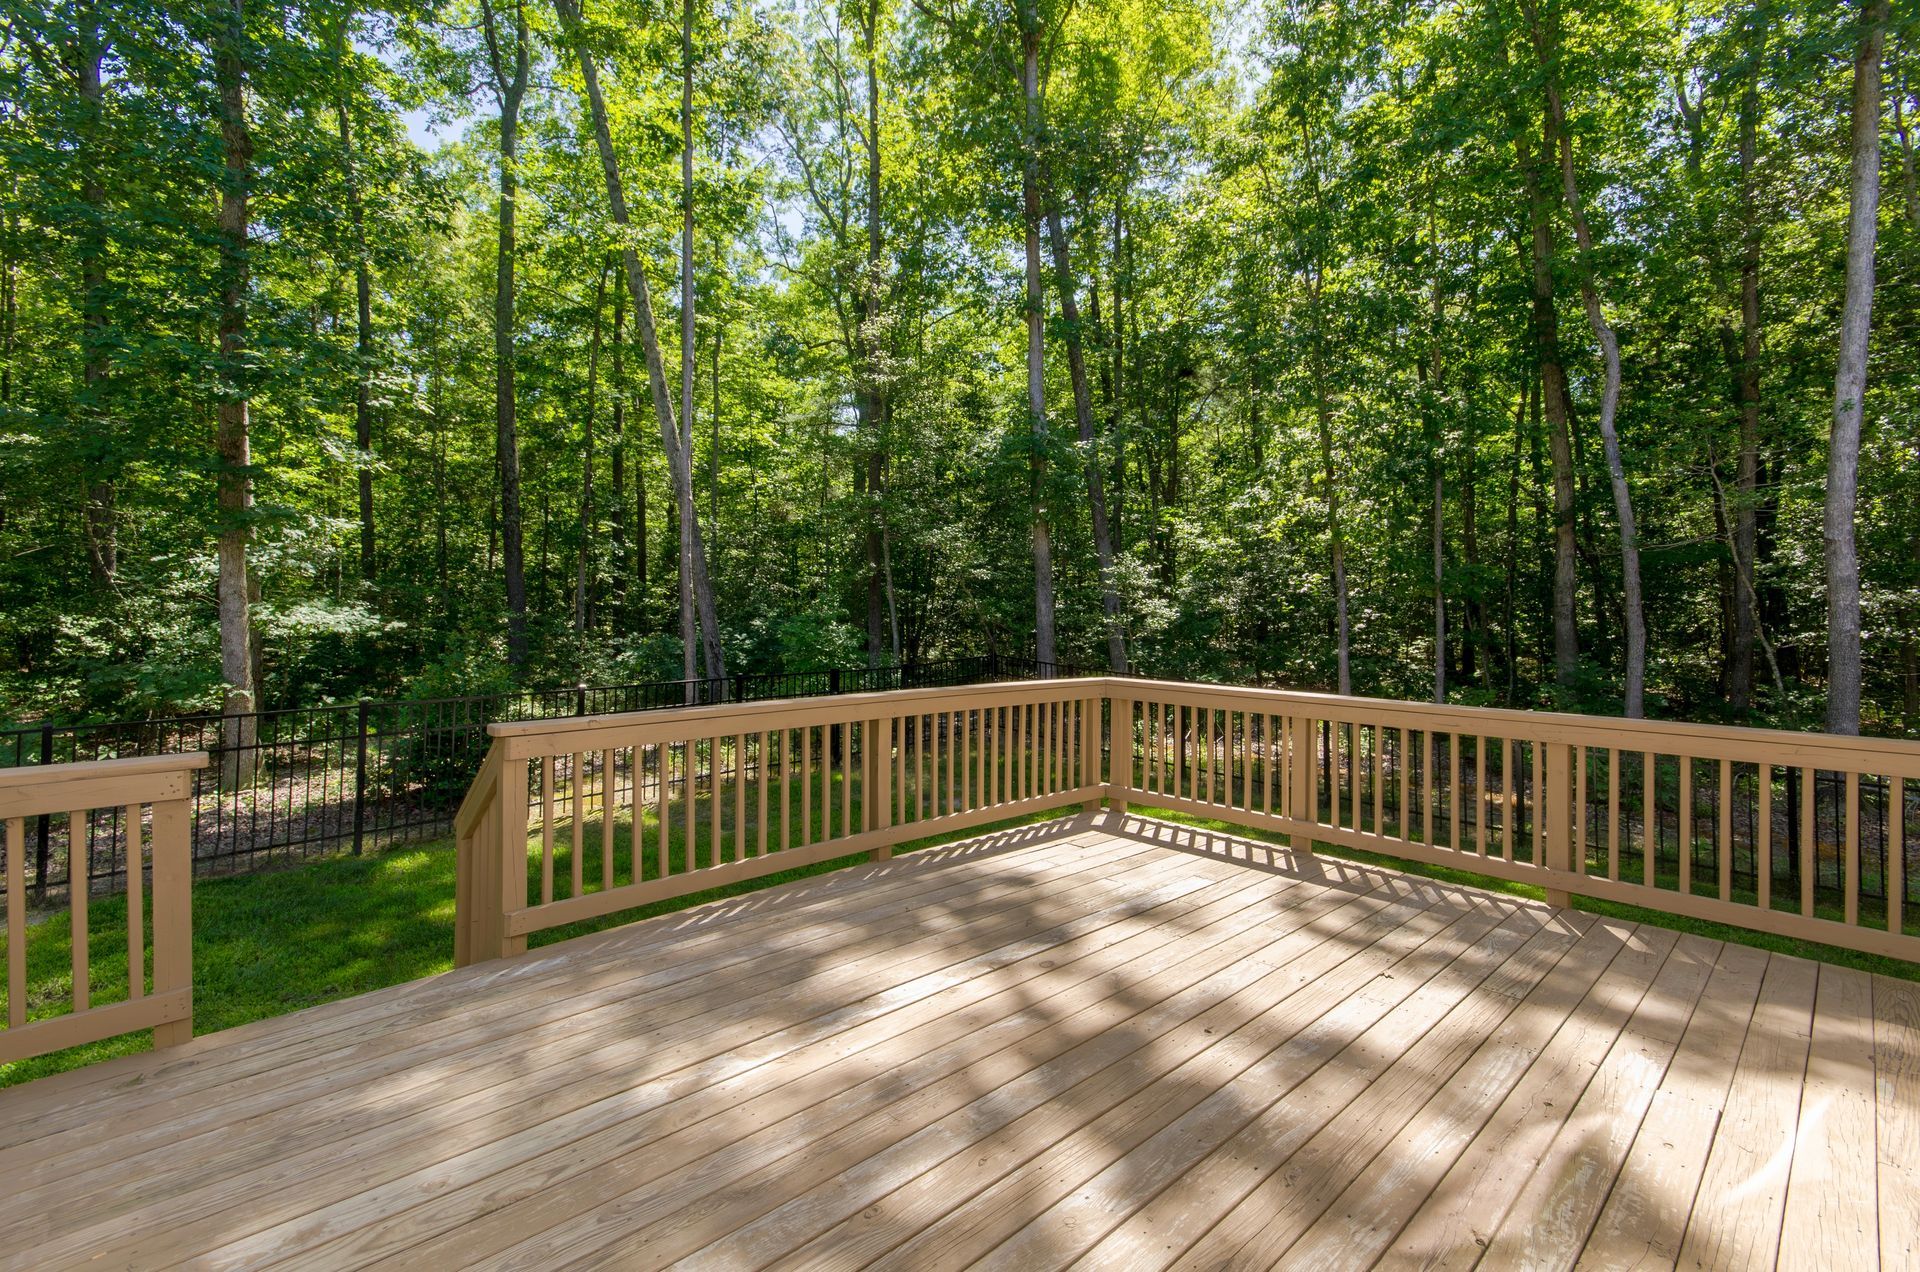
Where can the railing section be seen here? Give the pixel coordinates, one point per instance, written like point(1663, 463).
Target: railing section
point(576, 819)
point(1810, 836)
point(138, 808)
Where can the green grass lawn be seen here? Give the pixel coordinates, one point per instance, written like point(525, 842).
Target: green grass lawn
point(267, 944)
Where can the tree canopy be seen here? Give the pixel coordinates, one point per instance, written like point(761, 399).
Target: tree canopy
point(1495, 350)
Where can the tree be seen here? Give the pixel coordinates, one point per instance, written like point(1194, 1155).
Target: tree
point(1850, 380)
point(232, 433)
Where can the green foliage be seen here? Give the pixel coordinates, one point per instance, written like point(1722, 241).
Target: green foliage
point(1287, 219)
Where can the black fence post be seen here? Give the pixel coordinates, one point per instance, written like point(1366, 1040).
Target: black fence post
point(833, 680)
point(360, 778)
point(44, 824)
point(580, 700)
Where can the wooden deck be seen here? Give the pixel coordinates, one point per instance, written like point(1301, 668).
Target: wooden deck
point(1123, 1045)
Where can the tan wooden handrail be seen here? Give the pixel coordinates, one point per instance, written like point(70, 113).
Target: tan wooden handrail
point(147, 804)
point(1569, 803)
point(716, 794)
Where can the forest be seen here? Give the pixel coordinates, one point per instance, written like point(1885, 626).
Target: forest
point(1502, 352)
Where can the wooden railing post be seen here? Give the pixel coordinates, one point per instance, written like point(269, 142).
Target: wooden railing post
point(511, 856)
point(1305, 776)
point(876, 781)
point(172, 913)
point(1118, 746)
point(1554, 803)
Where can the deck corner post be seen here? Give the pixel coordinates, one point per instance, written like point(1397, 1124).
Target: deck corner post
point(173, 914)
point(1556, 793)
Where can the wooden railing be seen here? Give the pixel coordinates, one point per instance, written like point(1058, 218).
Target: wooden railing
point(1801, 834)
point(1804, 835)
point(580, 818)
point(139, 809)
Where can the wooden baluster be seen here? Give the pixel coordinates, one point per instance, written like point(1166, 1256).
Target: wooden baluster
point(1356, 745)
point(546, 831)
point(1379, 779)
point(786, 789)
point(847, 826)
point(1537, 801)
point(16, 922)
point(1896, 859)
point(1763, 839)
point(716, 788)
point(136, 906)
point(690, 800)
point(968, 759)
point(1685, 816)
point(1246, 760)
point(1724, 825)
point(609, 797)
point(576, 833)
point(1613, 813)
point(1650, 819)
point(739, 797)
point(663, 817)
point(1453, 784)
point(1579, 809)
point(79, 892)
point(760, 797)
point(1406, 779)
point(1809, 860)
point(952, 719)
point(1851, 823)
point(1482, 797)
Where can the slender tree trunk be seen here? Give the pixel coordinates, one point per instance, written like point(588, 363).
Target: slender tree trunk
point(1553, 401)
point(1746, 612)
point(1323, 416)
point(1083, 416)
point(510, 88)
point(1437, 451)
point(1544, 41)
point(679, 462)
point(102, 517)
point(1850, 382)
point(684, 492)
point(871, 373)
point(583, 565)
point(617, 460)
point(363, 313)
point(1529, 393)
point(1036, 349)
point(232, 440)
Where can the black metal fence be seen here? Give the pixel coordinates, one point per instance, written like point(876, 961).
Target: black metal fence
point(320, 780)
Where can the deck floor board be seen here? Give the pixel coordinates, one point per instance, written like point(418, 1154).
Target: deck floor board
point(1105, 1042)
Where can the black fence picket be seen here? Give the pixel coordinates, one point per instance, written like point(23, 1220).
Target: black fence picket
point(321, 780)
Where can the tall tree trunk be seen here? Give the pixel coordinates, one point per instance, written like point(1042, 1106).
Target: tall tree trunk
point(1553, 401)
point(1323, 416)
point(232, 440)
point(583, 565)
point(1083, 416)
point(510, 89)
point(679, 462)
point(684, 492)
point(1437, 453)
point(1747, 476)
point(617, 447)
point(1544, 42)
point(1850, 381)
point(1043, 632)
point(363, 307)
point(102, 517)
point(872, 394)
